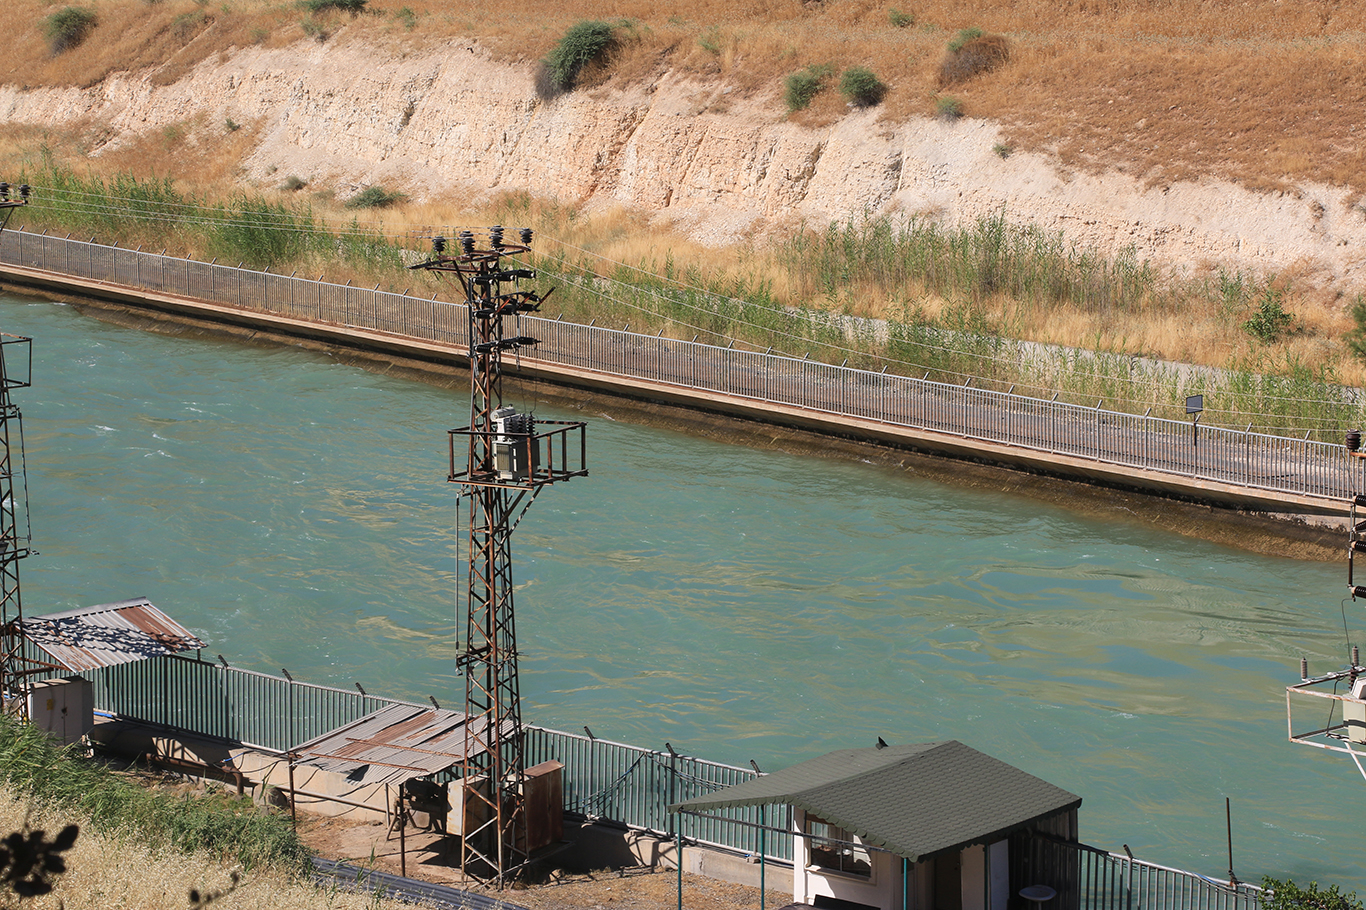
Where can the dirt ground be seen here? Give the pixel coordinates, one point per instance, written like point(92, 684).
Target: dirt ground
point(636, 888)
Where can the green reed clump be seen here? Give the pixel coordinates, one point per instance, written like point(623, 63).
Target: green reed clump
point(153, 213)
point(262, 233)
point(32, 765)
point(975, 261)
point(582, 44)
point(1289, 398)
point(653, 296)
point(971, 267)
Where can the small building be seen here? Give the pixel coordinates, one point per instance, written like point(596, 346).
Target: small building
point(930, 826)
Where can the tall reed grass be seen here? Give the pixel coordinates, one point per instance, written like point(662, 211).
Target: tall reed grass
point(914, 296)
point(251, 229)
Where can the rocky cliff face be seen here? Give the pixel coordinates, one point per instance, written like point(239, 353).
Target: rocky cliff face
point(452, 120)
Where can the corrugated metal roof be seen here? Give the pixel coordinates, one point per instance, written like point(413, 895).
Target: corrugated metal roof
point(914, 800)
point(394, 744)
point(102, 636)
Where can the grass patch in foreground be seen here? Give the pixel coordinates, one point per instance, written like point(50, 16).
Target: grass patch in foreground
point(34, 766)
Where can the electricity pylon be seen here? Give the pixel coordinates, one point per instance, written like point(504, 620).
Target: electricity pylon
point(508, 459)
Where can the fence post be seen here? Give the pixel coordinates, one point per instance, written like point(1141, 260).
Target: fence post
point(289, 710)
point(673, 787)
point(763, 833)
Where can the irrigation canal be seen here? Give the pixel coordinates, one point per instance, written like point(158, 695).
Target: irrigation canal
point(740, 605)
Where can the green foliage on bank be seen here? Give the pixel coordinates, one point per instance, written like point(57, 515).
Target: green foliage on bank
point(1286, 895)
point(982, 275)
point(68, 27)
point(973, 266)
point(582, 44)
point(347, 6)
point(801, 88)
point(32, 765)
point(249, 228)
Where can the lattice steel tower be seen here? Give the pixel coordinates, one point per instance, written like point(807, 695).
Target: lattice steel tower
point(16, 370)
point(507, 458)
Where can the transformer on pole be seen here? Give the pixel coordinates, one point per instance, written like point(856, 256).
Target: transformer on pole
point(505, 459)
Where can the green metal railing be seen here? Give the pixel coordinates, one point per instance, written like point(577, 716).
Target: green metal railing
point(608, 781)
point(603, 780)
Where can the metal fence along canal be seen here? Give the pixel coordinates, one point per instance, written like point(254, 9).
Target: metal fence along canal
point(1242, 459)
point(603, 780)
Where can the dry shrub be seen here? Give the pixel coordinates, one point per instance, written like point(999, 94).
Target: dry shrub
point(974, 57)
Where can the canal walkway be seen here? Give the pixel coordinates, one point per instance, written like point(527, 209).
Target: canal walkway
point(1225, 467)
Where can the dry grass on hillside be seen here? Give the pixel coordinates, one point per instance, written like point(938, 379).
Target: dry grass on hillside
point(1263, 91)
point(105, 872)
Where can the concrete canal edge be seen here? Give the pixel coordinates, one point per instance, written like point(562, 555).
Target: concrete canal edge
point(1258, 521)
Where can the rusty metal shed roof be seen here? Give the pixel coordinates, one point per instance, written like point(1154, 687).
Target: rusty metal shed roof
point(102, 636)
point(394, 744)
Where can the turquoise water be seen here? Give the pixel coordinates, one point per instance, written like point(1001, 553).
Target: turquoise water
point(738, 604)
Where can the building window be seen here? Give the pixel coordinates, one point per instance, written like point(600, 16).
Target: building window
point(833, 849)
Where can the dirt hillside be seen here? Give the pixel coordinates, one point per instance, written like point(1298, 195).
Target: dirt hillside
point(720, 161)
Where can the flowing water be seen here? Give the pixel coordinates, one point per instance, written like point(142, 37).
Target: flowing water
point(740, 605)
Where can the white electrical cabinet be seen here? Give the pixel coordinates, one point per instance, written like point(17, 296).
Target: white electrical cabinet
point(65, 708)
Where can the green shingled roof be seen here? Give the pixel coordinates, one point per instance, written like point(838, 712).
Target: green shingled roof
point(915, 800)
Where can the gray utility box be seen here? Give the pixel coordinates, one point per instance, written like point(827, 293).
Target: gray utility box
point(515, 454)
point(65, 708)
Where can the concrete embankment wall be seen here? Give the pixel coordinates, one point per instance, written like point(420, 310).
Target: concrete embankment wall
point(1279, 523)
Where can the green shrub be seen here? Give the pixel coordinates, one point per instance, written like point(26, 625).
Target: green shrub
point(1356, 338)
point(68, 27)
point(946, 108)
point(900, 19)
point(184, 26)
point(1287, 895)
point(345, 6)
point(861, 88)
point(1271, 321)
point(584, 43)
point(972, 57)
point(1003, 149)
point(965, 35)
point(374, 197)
point(802, 86)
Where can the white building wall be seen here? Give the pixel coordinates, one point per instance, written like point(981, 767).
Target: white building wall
point(882, 889)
